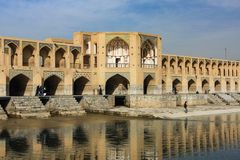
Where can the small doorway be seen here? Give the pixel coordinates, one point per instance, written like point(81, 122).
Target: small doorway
point(120, 101)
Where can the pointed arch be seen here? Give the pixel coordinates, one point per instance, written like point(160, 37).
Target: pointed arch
point(205, 86)
point(117, 84)
point(228, 86)
point(19, 85)
point(191, 86)
point(79, 85)
point(164, 86)
point(53, 85)
point(60, 60)
point(147, 84)
point(13, 52)
point(172, 65)
point(45, 57)
point(75, 58)
point(28, 55)
point(217, 86)
point(148, 55)
point(187, 67)
point(117, 53)
point(236, 87)
point(164, 65)
point(177, 85)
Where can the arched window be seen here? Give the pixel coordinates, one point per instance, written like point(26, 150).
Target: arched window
point(117, 53)
point(148, 56)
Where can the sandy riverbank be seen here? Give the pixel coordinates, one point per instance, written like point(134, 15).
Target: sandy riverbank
point(168, 113)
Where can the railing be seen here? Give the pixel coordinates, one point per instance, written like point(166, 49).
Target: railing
point(117, 65)
point(75, 65)
point(149, 65)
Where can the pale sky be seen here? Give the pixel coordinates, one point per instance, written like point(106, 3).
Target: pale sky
point(202, 28)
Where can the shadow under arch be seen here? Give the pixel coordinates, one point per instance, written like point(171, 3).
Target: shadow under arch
point(79, 85)
point(147, 84)
point(18, 85)
point(19, 144)
point(51, 84)
point(117, 132)
point(50, 139)
point(117, 84)
point(80, 136)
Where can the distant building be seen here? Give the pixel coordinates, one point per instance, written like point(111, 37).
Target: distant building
point(120, 62)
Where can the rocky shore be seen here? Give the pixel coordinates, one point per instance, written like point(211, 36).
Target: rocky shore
point(166, 113)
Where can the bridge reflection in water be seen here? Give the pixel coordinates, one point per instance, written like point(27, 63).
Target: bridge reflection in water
point(98, 137)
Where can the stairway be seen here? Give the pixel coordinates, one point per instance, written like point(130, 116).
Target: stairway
point(236, 96)
point(213, 99)
point(64, 106)
point(26, 107)
point(227, 99)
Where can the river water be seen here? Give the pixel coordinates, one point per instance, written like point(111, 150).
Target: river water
point(105, 137)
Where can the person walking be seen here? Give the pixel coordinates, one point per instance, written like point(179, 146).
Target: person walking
point(185, 107)
point(100, 90)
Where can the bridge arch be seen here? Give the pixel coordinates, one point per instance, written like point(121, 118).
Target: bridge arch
point(117, 84)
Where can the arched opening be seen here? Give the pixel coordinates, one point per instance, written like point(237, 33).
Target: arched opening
point(49, 138)
point(177, 86)
point(79, 85)
point(13, 48)
point(164, 66)
point(236, 86)
point(75, 61)
point(52, 85)
point(45, 57)
point(60, 58)
point(228, 86)
point(201, 67)
point(117, 85)
point(172, 66)
point(187, 67)
point(148, 84)
point(194, 66)
point(148, 57)
point(28, 56)
point(208, 66)
point(180, 66)
point(191, 86)
point(214, 69)
point(163, 86)
point(19, 85)
point(19, 144)
point(219, 69)
point(117, 53)
point(205, 86)
point(217, 86)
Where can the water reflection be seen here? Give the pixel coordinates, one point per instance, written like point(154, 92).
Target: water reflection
point(96, 137)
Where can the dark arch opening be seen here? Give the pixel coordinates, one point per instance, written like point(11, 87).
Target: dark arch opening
point(44, 57)
point(236, 86)
point(191, 86)
point(13, 49)
point(217, 86)
point(28, 57)
point(19, 144)
point(50, 138)
point(18, 85)
point(228, 86)
point(51, 84)
point(146, 84)
point(177, 86)
point(205, 86)
point(79, 85)
point(59, 58)
point(117, 85)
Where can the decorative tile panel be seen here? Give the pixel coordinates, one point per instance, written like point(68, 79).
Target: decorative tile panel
point(14, 72)
point(26, 43)
point(110, 37)
point(151, 74)
point(7, 41)
point(75, 48)
point(41, 45)
point(47, 74)
point(111, 74)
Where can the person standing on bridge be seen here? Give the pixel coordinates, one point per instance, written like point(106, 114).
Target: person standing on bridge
point(185, 107)
point(100, 90)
